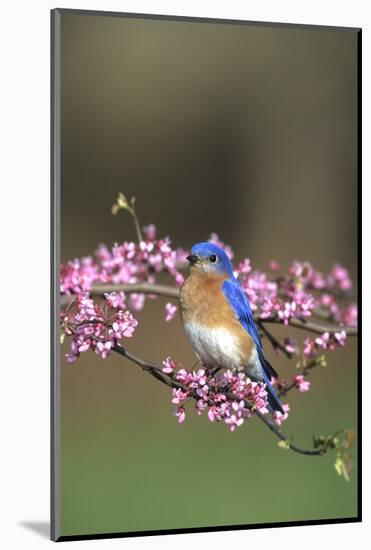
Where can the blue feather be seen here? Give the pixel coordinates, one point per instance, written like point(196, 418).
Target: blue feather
point(239, 302)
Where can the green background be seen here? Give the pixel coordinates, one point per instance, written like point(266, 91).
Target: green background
point(249, 131)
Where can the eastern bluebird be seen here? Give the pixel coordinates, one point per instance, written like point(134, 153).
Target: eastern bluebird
point(218, 320)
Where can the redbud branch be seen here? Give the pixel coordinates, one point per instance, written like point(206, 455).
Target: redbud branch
point(275, 430)
point(148, 366)
point(312, 326)
point(172, 292)
point(157, 373)
point(276, 344)
point(322, 314)
point(305, 371)
point(140, 288)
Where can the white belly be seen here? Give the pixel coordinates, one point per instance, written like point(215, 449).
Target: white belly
point(218, 347)
point(214, 347)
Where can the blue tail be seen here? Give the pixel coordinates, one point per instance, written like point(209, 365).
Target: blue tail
point(273, 399)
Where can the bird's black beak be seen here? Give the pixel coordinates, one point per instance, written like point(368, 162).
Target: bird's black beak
point(193, 258)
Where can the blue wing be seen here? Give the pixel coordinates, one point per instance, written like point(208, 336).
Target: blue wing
point(239, 302)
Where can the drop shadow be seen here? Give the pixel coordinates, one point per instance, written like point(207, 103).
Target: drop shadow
point(42, 528)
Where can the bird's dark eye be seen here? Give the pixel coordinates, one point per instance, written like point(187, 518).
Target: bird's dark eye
point(213, 258)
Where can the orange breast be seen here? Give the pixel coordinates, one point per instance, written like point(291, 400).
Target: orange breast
point(202, 301)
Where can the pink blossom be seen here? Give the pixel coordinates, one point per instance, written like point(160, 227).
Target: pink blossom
point(287, 311)
point(137, 301)
point(318, 280)
point(183, 376)
point(274, 266)
point(179, 396)
point(238, 407)
point(146, 247)
point(86, 305)
point(199, 377)
point(327, 299)
point(323, 340)
point(341, 337)
point(92, 327)
point(201, 406)
point(170, 310)
point(169, 366)
point(179, 279)
point(71, 357)
point(229, 376)
point(180, 414)
point(213, 414)
point(278, 417)
point(302, 270)
point(82, 343)
point(229, 396)
point(150, 232)
point(234, 421)
point(115, 300)
point(301, 384)
point(290, 345)
point(340, 276)
point(244, 266)
point(123, 326)
point(103, 349)
point(203, 392)
point(309, 347)
point(350, 315)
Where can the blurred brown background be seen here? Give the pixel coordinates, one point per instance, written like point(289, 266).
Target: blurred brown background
point(249, 131)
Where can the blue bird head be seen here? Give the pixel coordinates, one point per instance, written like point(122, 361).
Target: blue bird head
point(210, 258)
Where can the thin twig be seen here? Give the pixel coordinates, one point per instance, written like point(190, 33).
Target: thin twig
point(305, 371)
point(148, 366)
point(275, 430)
point(276, 344)
point(312, 326)
point(137, 225)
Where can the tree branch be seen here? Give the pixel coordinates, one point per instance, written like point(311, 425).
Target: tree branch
point(304, 371)
point(282, 437)
point(313, 326)
point(276, 344)
point(172, 292)
point(140, 288)
point(156, 371)
point(148, 366)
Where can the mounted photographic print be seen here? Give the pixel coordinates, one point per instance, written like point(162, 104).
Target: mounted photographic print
point(205, 180)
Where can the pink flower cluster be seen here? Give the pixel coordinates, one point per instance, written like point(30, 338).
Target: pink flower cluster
point(325, 341)
point(226, 396)
point(126, 263)
point(301, 384)
point(297, 293)
point(279, 417)
point(294, 294)
point(94, 326)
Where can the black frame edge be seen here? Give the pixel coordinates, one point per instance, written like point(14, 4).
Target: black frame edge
point(161, 532)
